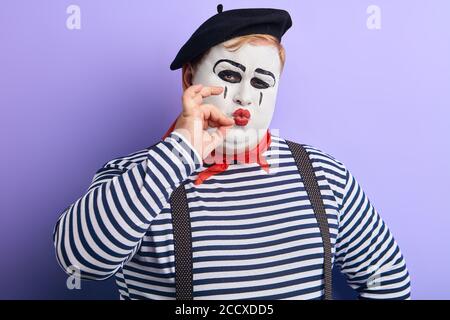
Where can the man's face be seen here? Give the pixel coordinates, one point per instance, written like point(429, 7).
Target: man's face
point(250, 77)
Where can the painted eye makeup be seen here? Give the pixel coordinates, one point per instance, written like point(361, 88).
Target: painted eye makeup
point(258, 83)
point(230, 76)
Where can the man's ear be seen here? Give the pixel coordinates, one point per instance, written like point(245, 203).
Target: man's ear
point(186, 74)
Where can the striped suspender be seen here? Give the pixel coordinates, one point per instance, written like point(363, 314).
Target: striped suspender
point(183, 237)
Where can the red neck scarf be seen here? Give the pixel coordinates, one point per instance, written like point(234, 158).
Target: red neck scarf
point(221, 161)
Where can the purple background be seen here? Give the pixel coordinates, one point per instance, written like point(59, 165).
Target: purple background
point(70, 100)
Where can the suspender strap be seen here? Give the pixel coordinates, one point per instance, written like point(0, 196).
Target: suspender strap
point(182, 244)
point(312, 189)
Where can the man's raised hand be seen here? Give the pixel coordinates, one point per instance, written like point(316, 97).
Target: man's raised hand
point(196, 117)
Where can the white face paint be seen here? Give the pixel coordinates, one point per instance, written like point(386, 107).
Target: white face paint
point(250, 77)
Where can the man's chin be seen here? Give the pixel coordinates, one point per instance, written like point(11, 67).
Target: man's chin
point(238, 139)
point(239, 143)
point(234, 148)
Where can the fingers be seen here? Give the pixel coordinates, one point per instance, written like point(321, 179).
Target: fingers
point(212, 124)
point(213, 114)
point(194, 95)
point(193, 90)
point(208, 91)
point(189, 96)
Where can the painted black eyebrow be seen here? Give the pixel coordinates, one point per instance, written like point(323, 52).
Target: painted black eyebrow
point(234, 63)
point(259, 70)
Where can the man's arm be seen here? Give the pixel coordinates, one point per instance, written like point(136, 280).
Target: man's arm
point(366, 250)
point(104, 228)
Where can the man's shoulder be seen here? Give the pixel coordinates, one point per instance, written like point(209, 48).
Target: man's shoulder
point(318, 156)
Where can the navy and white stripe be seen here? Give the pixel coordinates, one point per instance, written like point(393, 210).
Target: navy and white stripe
point(254, 233)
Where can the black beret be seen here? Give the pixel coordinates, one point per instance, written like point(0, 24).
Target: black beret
point(226, 25)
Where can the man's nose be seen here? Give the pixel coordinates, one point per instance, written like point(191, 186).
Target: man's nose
point(243, 95)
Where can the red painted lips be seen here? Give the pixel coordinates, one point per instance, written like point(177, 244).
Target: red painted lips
point(241, 117)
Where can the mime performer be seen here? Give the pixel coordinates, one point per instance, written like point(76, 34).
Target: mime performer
point(253, 231)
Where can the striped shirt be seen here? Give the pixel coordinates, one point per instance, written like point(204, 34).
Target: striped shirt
point(254, 234)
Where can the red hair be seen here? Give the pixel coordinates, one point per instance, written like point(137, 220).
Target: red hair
point(237, 42)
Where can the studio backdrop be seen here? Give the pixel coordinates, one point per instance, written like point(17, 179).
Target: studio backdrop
point(83, 82)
